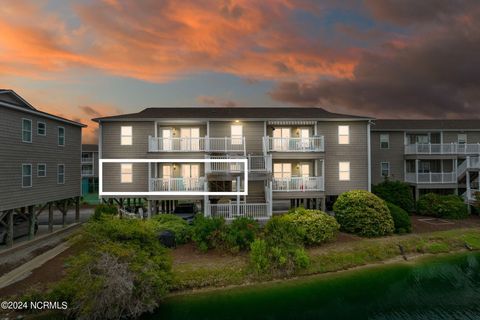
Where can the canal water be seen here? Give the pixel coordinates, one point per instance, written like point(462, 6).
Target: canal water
point(438, 288)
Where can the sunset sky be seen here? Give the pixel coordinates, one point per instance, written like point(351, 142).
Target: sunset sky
point(385, 58)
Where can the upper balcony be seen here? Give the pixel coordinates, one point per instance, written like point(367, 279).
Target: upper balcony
point(431, 177)
point(305, 144)
point(442, 148)
point(87, 171)
point(256, 164)
point(197, 144)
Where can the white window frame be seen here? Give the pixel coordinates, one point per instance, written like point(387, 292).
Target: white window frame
point(126, 172)
point(126, 138)
point(23, 130)
point(44, 128)
point(30, 176)
point(388, 169)
point(283, 174)
point(344, 173)
point(465, 139)
point(237, 139)
point(383, 140)
point(58, 136)
point(44, 171)
point(63, 174)
point(343, 134)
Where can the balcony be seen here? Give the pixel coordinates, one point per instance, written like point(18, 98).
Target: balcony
point(200, 144)
point(88, 160)
point(177, 184)
point(431, 177)
point(300, 184)
point(87, 172)
point(311, 144)
point(256, 164)
point(442, 148)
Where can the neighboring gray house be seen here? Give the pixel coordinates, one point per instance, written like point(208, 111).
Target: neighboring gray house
point(439, 156)
point(39, 158)
point(294, 155)
point(89, 168)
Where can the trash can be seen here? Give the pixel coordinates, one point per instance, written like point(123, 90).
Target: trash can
point(167, 238)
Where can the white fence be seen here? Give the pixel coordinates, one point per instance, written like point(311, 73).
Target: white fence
point(310, 144)
point(298, 184)
point(177, 184)
point(442, 148)
point(234, 210)
point(431, 177)
point(207, 144)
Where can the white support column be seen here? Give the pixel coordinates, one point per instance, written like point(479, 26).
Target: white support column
point(149, 209)
point(149, 176)
point(468, 184)
point(238, 196)
point(416, 170)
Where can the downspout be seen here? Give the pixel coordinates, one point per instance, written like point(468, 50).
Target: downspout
point(369, 157)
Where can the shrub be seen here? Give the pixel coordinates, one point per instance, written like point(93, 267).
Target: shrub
point(208, 232)
point(241, 233)
point(100, 209)
point(363, 213)
point(442, 206)
point(171, 222)
point(123, 273)
point(396, 192)
point(316, 226)
point(281, 250)
point(401, 219)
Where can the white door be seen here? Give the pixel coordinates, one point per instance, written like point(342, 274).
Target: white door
point(282, 172)
point(305, 170)
point(281, 138)
point(305, 135)
point(167, 139)
point(190, 139)
point(166, 175)
point(190, 175)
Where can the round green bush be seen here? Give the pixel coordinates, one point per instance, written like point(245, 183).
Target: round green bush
point(208, 232)
point(363, 213)
point(316, 226)
point(401, 219)
point(442, 206)
point(171, 222)
point(241, 233)
point(396, 192)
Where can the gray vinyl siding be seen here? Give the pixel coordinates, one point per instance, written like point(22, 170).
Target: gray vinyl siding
point(111, 133)
point(355, 152)
point(452, 136)
point(112, 178)
point(43, 149)
point(252, 131)
point(394, 155)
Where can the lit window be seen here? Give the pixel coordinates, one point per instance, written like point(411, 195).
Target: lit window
point(384, 141)
point(126, 173)
point(462, 138)
point(385, 169)
point(61, 174)
point(41, 129)
point(343, 134)
point(236, 133)
point(344, 171)
point(26, 175)
point(41, 170)
point(61, 136)
point(26, 130)
point(126, 136)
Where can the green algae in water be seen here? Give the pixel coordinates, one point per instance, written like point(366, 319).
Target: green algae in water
point(439, 288)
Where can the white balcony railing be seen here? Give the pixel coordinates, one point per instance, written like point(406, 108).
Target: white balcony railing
point(298, 184)
point(87, 160)
point(431, 177)
point(442, 148)
point(469, 163)
point(87, 172)
point(311, 144)
point(200, 144)
point(177, 184)
point(234, 210)
point(260, 163)
point(255, 164)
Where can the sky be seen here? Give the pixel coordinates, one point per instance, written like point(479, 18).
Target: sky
point(380, 58)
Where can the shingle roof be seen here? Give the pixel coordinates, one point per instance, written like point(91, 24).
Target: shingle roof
point(444, 124)
point(232, 113)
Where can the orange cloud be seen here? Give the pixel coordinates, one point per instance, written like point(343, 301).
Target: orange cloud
point(163, 40)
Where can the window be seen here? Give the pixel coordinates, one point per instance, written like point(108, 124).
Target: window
point(41, 129)
point(236, 131)
point(190, 139)
point(304, 170)
point(385, 169)
point(26, 130)
point(344, 171)
point(41, 170)
point(167, 139)
point(462, 138)
point(61, 174)
point(343, 134)
point(126, 136)
point(61, 136)
point(126, 173)
point(384, 141)
point(282, 170)
point(305, 135)
point(281, 138)
point(26, 175)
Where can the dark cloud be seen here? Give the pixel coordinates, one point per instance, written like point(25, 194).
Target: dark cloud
point(435, 73)
point(89, 111)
